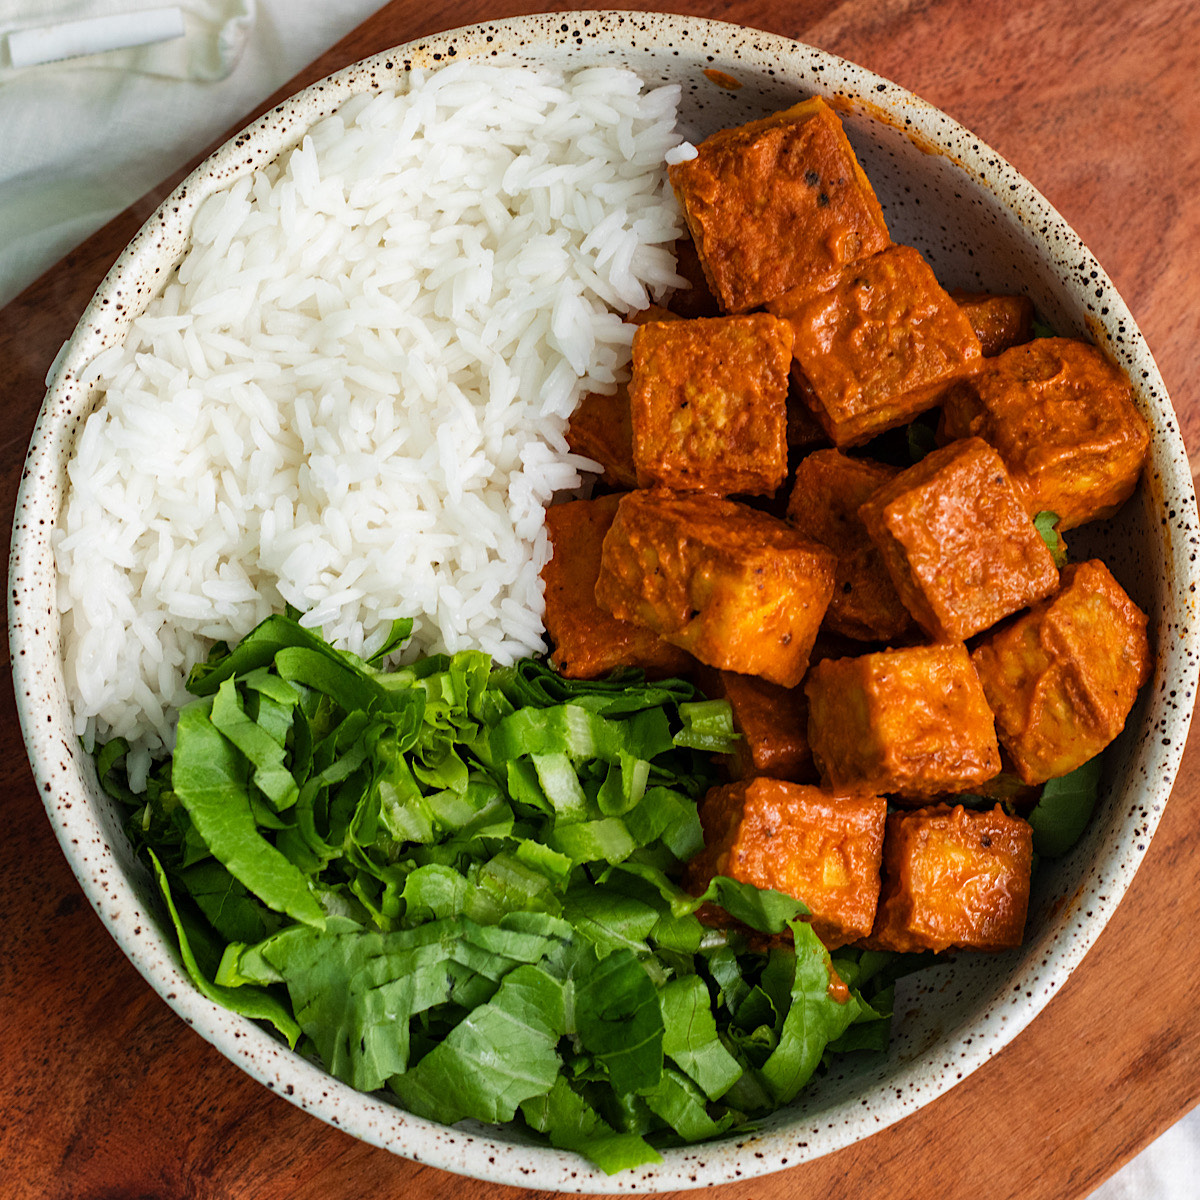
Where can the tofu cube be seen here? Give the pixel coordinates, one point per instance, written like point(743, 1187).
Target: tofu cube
point(1062, 678)
point(879, 346)
point(772, 722)
point(998, 321)
point(1062, 418)
point(708, 400)
point(958, 543)
point(912, 723)
point(589, 642)
point(827, 492)
point(736, 588)
point(601, 430)
point(821, 848)
point(778, 204)
point(953, 878)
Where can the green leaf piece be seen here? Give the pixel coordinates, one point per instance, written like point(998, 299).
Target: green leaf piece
point(1045, 523)
point(1064, 809)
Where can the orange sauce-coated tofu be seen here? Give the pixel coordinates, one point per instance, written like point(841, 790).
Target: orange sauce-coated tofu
point(708, 400)
point(827, 492)
point(1062, 678)
point(589, 642)
point(778, 204)
point(879, 347)
point(953, 877)
point(736, 588)
point(816, 846)
point(912, 723)
point(601, 430)
point(772, 722)
point(957, 541)
point(1062, 418)
point(998, 321)
point(601, 427)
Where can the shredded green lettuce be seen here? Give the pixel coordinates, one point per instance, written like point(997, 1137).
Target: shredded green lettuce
point(457, 884)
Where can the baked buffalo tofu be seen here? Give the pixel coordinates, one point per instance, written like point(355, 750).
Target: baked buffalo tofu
point(708, 400)
point(827, 492)
point(771, 723)
point(819, 847)
point(998, 321)
point(953, 878)
point(601, 429)
point(778, 204)
point(736, 588)
point(1062, 678)
point(589, 642)
point(912, 723)
point(879, 346)
point(958, 542)
point(1062, 418)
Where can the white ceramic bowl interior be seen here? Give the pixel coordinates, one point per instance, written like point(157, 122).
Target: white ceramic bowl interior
point(980, 225)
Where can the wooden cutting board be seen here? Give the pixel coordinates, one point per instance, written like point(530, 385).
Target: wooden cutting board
point(106, 1095)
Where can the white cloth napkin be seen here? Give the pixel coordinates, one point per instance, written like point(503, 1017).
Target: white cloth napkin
point(215, 32)
point(82, 138)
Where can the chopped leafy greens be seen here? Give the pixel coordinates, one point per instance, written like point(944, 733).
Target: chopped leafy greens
point(1063, 810)
point(457, 883)
point(1045, 523)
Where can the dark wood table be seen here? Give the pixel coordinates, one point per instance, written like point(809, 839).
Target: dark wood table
point(106, 1095)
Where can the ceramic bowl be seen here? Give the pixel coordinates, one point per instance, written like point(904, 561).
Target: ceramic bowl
point(982, 226)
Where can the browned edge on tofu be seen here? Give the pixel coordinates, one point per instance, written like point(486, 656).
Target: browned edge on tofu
point(998, 321)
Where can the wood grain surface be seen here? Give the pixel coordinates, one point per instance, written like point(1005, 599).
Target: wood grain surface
point(106, 1095)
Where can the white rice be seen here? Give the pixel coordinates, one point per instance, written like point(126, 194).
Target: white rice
point(352, 395)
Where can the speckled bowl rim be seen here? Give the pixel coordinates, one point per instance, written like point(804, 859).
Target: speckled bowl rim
point(66, 788)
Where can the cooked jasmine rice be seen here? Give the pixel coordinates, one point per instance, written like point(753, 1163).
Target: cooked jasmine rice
point(352, 395)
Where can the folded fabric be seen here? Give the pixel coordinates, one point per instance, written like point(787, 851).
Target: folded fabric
point(214, 35)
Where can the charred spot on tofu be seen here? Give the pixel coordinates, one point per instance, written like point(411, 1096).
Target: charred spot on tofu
point(958, 543)
point(953, 878)
point(1062, 418)
point(911, 723)
point(777, 204)
point(708, 403)
point(821, 847)
point(736, 588)
point(878, 346)
point(1062, 678)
